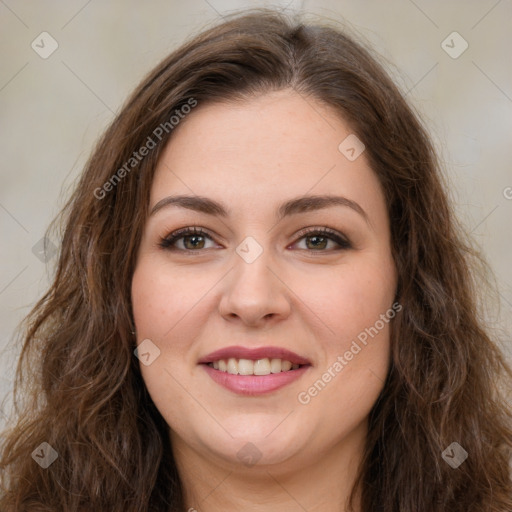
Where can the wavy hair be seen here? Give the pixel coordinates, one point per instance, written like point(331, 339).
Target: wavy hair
point(80, 384)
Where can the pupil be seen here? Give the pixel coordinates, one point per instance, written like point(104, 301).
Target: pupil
point(195, 238)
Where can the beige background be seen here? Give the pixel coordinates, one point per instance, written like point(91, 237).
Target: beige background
point(52, 110)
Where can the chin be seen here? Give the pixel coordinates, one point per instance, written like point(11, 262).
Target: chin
point(259, 443)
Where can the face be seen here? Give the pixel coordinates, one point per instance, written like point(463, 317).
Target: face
point(264, 281)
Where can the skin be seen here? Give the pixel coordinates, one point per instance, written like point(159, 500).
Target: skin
point(252, 156)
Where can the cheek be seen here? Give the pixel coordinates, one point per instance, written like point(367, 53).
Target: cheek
point(149, 302)
point(160, 298)
point(170, 309)
point(351, 298)
point(358, 310)
point(161, 301)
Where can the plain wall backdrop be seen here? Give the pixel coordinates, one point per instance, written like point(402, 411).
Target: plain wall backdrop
point(67, 67)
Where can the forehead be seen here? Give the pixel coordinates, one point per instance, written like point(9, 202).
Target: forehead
point(261, 151)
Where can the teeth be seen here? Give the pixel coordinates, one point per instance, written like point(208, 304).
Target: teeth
point(285, 366)
point(275, 365)
point(264, 366)
point(232, 366)
point(245, 367)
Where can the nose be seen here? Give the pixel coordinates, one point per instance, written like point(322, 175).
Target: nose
point(254, 293)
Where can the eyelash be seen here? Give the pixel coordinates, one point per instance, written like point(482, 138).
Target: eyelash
point(168, 242)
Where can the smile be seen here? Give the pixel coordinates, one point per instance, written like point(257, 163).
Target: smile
point(263, 366)
point(254, 371)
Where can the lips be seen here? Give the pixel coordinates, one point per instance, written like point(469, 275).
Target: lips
point(273, 369)
point(254, 354)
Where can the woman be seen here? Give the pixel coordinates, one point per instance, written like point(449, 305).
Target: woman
point(262, 302)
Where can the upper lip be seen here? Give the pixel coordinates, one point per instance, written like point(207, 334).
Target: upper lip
point(239, 352)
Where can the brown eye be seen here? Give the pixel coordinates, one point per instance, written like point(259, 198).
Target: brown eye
point(318, 240)
point(193, 239)
point(196, 241)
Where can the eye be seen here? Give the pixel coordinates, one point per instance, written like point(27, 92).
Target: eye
point(195, 238)
point(192, 238)
point(317, 239)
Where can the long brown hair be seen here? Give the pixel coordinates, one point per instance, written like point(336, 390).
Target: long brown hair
point(82, 391)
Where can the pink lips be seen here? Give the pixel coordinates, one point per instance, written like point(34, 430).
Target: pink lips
point(239, 352)
point(252, 385)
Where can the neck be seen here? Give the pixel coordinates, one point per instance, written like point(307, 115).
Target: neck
point(322, 483)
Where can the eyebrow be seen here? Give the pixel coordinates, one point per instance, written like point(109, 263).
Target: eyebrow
point(291, 207)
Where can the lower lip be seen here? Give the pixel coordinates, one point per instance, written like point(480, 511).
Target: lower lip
point(252, 385)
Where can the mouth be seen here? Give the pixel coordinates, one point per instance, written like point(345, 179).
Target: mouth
point(238, 360)
point(254, 371)
point(264, 366)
